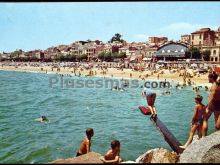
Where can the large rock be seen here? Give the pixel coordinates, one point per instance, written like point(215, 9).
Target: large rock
point(158, 155)
point(91, 157)
point(205, 150)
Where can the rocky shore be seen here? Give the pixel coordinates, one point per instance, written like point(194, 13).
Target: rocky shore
point(206, 150)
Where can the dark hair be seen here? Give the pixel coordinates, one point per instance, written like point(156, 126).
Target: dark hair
point(114, 144)
point(44, 117)
point(213, 76)
point(89, 132)
point(199, 98)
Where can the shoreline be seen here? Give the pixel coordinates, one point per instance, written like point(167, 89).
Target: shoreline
point(112, 73)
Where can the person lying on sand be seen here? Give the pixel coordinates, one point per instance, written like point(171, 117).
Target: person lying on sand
point(197, 120)
point(86, 143)
point(113, 155)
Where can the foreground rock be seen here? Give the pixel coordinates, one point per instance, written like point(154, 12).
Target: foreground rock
point(206, 150)
point(158, 155)
point(91, 157)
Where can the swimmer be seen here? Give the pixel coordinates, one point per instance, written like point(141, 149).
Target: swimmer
point(42, 119)
point(166, 93)
point(114, 88)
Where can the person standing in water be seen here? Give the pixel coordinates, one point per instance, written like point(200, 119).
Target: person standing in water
point(197, 121)
point(213, 104)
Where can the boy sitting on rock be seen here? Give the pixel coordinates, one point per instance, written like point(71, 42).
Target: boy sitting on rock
point(113, 155)
point(86, 143)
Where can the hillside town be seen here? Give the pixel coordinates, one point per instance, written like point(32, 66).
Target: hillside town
point(203, 44)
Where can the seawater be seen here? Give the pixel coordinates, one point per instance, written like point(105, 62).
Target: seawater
point(112, 114)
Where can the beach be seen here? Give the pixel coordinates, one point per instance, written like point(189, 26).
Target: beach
point(115, 73)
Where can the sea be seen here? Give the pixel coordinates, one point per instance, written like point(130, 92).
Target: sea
point(113, 114)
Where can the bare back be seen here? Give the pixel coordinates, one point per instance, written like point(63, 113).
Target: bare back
point(200, 111)
point(84, 146)
point(214, 98)
point(110, 155)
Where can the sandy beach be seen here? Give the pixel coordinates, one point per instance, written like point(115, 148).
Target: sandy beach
point(200, 80)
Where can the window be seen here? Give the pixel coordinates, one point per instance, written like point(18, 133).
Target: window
point(168, 51)
point(192, 43)
point(200, 36)
point(182, 50)
point(199, 42)
point(214, 52)
point(163, 51)
point(176, 50)
point(192, 37)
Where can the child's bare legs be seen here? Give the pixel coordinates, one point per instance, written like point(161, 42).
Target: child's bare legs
point(190, 139)
point(208, 113)
point(199, 131)
point(217, 120)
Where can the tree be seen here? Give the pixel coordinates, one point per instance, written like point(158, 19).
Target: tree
point(108, 56)
point(59, 57)
point(101, 56)
point(116, 37)
point(193, 53)
point(82, 57)
point(122, 55)
point(206, 55)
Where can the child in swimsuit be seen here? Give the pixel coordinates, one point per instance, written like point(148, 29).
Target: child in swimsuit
point(86, 143)
point(197, 120)
point(113, 155)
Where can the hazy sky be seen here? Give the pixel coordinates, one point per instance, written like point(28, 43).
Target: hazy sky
point(30, 26)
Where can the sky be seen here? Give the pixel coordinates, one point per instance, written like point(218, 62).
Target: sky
point(30, 26)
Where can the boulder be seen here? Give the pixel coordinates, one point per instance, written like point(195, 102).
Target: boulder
point(91, 157)
point(205, 150)
point(158, 155)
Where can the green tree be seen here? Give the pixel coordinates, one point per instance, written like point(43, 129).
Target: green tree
point(108, 56)
point(122, 55)
point(59, 57)
point(193, 53)
point(114, 55)
point(82, 57)
point(101, 55)
point(116, 37)
point(206, 55)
